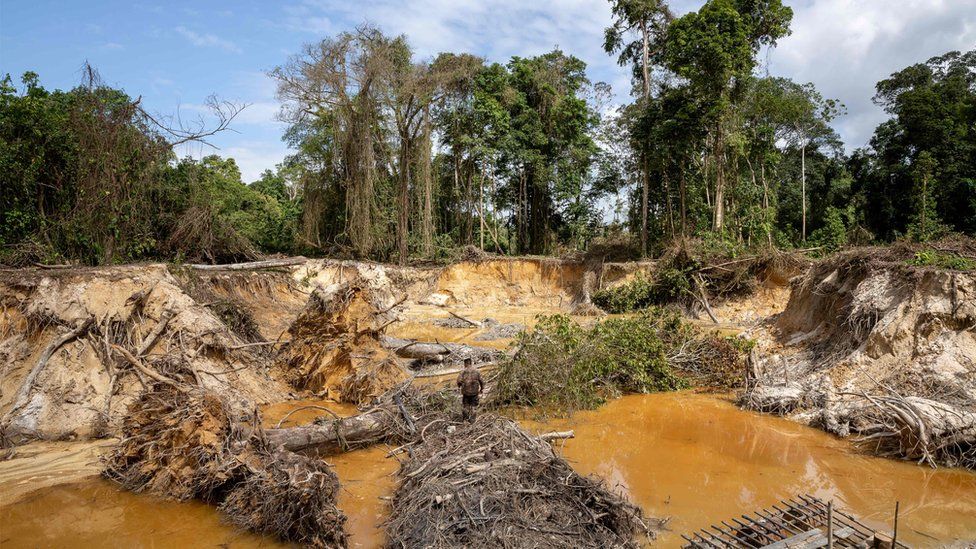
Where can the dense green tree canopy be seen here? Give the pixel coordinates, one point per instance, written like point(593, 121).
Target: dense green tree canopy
point(396, 157)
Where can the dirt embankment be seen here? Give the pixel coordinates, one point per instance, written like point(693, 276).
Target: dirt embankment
point(77, 346)
point(872, 346)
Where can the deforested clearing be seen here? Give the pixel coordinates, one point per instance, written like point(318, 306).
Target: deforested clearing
point(398, 274)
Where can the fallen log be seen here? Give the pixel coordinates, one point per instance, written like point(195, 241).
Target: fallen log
point(251, 265)
point(470, 322)
point(346, 433)
point(437, 353)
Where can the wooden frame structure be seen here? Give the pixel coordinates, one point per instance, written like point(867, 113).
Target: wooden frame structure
point(803, 522)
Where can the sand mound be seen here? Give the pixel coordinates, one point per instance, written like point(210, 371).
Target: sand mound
point(878, 347)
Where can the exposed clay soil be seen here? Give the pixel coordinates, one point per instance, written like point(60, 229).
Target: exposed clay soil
point(872, 346)
point(257, 336)
point(854, 327)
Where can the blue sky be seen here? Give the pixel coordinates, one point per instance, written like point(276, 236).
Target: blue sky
point(175, 54)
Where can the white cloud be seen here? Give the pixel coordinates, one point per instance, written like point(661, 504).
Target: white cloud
point(846, 46)
point(842, 46)
point(207, 40)
point(253, 157)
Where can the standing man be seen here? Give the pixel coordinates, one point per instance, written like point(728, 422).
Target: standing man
point(470, 384)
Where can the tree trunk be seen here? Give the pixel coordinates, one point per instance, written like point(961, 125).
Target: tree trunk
point(647, 60)
point(766, 213)
point(719, 219)
point(404, 200)
point(803, 188)
point(342, 433)
point(645, 191)
point(667, 195)
point(684, 210)
point(481, 208)
point(426, 181)
point(469, 203)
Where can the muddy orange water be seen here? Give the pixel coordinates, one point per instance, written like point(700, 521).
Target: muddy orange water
point(699, 459)
point(695, 458)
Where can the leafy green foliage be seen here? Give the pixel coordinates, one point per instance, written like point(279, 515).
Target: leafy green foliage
point(943, 260)
point(666, 285)
point(927, 150)
point(561, 365)
point(87, 177)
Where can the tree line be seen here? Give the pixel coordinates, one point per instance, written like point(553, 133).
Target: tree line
point(399, 158)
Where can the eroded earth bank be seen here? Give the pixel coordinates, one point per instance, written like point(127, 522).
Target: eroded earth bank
point(865, 345)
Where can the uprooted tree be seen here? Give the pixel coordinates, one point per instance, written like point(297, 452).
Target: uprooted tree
point(470, 484)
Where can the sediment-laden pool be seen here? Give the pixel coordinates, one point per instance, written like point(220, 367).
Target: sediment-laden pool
point(695, 458)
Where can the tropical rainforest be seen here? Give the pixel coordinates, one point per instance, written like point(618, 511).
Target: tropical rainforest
point(398, 158)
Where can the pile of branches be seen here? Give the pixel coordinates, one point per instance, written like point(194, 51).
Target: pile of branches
point(224, 305)
point(690, 274)
point(181, 442)
point(919, 429)
point(491, 484)
point(201, 235)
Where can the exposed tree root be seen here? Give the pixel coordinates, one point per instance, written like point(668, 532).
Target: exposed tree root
point(916, 428)
point(183, 443)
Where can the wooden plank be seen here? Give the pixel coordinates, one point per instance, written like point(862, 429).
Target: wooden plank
point(780, 522)
point(754, 530)
point(811, 539)
point(740, 532)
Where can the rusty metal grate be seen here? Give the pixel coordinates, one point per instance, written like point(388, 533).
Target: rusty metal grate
point(794, 523)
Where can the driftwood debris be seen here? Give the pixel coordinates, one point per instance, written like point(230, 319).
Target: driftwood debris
point(920, 429)
point(470, 322)
point(182, 442)
point(251, 265)
point(492, 484)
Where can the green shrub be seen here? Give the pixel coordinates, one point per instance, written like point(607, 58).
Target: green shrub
point(562, 366)
point(942, 260)
point(667, 285)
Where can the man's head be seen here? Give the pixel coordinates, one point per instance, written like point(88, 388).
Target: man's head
point(468, 363)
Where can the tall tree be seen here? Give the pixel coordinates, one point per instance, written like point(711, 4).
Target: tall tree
point(715, 50)
point(335, 86)
point(637, 34)
point(933, 110)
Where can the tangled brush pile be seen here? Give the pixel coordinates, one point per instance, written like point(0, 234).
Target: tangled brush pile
point(491, 484)
point(182, 443)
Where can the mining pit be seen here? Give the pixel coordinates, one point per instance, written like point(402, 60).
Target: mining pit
point(840, 350)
